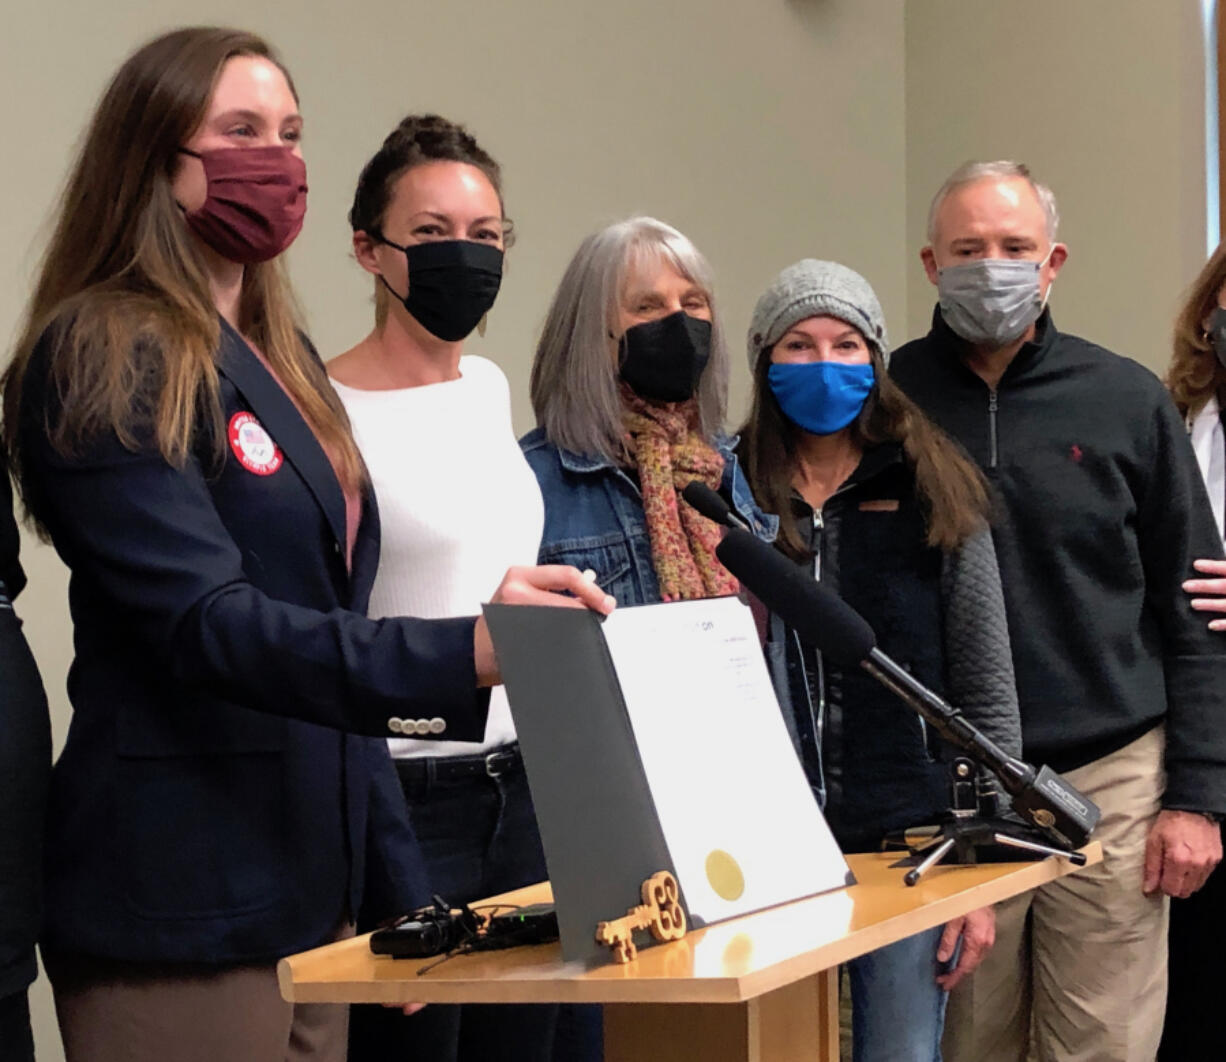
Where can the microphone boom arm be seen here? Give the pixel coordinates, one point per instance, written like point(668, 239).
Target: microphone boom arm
point(824, 620)
point(949, 722)
point(1041, 797)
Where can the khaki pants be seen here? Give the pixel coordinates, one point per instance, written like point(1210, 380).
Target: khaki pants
point(1080, 963)
point(136, 1012)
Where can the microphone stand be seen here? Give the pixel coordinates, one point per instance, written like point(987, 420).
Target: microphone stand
point(1055, 818)
point(969, 833)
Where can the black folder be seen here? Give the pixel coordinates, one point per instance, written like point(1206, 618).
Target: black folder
point(623, 792)
point(599, 826)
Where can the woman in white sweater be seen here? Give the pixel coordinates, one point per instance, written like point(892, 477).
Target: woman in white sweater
point(458, 505)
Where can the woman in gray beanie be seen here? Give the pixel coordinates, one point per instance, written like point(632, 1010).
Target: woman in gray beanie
point(887, 511)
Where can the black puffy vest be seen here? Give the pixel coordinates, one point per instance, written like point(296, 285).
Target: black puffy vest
point(878, 766)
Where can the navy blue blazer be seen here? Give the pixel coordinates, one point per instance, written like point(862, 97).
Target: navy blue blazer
point(212, 803)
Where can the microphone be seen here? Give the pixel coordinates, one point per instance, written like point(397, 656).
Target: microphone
point(711, 505)
point(824, 620)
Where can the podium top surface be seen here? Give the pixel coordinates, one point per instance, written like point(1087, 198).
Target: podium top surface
point(727, 962)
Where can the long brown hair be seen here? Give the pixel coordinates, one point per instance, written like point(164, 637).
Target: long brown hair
point(1195, 372)
point(952, 491)
point(127, 291)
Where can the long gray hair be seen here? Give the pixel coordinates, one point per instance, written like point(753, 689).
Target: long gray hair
point(574, 380)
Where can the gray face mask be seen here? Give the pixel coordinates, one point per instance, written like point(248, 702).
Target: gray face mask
point(1217, 334)
point(992, 301)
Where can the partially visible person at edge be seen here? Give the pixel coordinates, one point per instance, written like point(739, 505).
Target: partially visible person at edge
point(1197, 382)
point(629, 386)
point(1121, 687)
point(434, 427)
point(25, 766)
point(882, 508)
point(176, 439)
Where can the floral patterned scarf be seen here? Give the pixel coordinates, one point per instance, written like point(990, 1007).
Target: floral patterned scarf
point(669, 452)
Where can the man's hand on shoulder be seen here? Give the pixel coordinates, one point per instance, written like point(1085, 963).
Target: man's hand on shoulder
point(1209, 595)
point(1181, 851)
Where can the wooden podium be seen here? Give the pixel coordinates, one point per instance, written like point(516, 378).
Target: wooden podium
point(761, 988)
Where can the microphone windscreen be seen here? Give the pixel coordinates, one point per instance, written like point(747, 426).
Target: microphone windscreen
point(819, 617)
point(707, 502)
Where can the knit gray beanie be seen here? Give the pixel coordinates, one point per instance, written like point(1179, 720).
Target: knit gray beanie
point(815, 289)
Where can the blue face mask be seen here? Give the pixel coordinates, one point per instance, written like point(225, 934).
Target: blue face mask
point(821, 396)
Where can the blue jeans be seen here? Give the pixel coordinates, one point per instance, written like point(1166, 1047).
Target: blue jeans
point(897, 1009)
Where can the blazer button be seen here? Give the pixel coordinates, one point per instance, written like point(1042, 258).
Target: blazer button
point(437, 725)
point(423, 727)
point(395, 725)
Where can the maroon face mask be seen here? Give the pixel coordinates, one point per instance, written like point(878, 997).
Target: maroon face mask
point(255, 203)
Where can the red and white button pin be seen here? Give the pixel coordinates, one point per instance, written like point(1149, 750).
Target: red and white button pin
point(253, 446)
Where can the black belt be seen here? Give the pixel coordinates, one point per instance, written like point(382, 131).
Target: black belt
point(425, 769)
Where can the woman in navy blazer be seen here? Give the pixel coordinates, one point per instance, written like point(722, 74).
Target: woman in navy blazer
point(176, 439)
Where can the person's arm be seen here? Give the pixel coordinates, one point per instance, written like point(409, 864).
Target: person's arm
point(970, 938)
point(978, 656)
point(1174, 527)
point(979, 678)
point(149, 540)
point(25, 767)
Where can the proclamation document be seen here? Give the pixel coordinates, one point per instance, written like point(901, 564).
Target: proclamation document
point(736, 811)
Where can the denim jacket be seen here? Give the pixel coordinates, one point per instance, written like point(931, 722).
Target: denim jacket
point(594, 516)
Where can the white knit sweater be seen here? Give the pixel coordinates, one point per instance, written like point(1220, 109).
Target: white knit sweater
point(458, 505)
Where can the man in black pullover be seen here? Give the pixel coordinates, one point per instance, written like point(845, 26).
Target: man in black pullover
point(1101, 512)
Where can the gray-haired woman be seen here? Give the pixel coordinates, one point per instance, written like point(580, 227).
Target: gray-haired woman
point(630, 386)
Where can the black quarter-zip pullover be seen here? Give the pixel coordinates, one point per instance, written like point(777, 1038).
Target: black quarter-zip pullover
point(1101, 512)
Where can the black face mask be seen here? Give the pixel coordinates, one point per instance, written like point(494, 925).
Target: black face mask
point(663, 360)
point(1217, 334)
point(452, 284)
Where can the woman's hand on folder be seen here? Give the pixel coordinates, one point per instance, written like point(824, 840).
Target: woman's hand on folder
point(543, 584)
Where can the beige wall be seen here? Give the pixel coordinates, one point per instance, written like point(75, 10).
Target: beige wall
point(1104, 100)
point(764, 129)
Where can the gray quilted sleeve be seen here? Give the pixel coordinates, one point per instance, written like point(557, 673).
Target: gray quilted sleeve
point(978, 658)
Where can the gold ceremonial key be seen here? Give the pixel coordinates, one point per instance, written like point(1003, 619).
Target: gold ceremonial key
point(660, 912)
